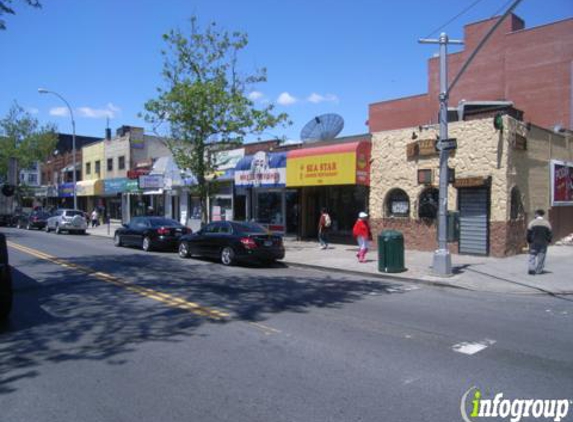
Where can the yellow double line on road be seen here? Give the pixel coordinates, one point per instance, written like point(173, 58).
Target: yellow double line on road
point(173, 301)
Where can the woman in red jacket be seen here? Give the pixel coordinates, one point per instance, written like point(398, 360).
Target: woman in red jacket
point(363, 235)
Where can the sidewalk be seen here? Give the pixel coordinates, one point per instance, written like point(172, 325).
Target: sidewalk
point(502, 275)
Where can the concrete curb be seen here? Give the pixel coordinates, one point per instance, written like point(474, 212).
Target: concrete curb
point(385, 276)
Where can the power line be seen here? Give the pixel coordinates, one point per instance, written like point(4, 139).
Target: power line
point(503, 7)
point(454, 18)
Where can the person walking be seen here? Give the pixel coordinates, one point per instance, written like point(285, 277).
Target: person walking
point(539, 234)
point(324, 223)
point(363, 235)
point(95, 218)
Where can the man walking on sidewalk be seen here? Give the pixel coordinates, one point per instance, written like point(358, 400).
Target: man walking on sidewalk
point(539, 234)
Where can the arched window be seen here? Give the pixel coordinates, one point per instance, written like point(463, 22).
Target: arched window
point(397, 203)
point(516, 205)
point(428, 203)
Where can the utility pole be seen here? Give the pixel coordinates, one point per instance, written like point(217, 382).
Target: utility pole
point(442, 263)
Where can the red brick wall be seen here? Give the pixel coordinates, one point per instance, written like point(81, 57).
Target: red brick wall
point(530, 67)
point(506, 238)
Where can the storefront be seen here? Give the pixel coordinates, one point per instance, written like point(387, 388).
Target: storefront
point(152, 198)
point(498, 179)
point(260, 190)
point(65, 195)
point(334, 176)
point(89, 194)
point(115, 196)
point(221, 184)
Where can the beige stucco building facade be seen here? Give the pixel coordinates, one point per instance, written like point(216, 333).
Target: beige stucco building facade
point(501, 177)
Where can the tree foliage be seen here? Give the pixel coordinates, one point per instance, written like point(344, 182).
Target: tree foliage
point(22, 137)
point(6, 8)
point(205, 99)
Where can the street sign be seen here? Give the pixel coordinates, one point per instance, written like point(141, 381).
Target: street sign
point(446, 144)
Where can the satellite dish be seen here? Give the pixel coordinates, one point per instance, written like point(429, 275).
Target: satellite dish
point(322, 128)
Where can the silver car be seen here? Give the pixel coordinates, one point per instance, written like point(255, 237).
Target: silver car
point(72, 221)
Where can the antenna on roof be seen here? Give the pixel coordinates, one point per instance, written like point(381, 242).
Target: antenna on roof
point(322, 128)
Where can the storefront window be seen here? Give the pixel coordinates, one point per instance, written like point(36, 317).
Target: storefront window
point(397, 203)
point(269, 208)
point(428, 204)
point(221, 209)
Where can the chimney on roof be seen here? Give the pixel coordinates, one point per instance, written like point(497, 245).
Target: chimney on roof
point(107, 134)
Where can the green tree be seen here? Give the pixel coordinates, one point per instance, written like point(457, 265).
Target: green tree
point(204, 100)
point(5, 8)
point(22, 137)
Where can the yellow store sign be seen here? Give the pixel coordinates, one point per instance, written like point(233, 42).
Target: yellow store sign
point(341, 164)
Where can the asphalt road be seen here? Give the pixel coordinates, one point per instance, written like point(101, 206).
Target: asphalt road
point(114, 334)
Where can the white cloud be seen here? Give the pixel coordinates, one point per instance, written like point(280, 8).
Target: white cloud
point(110, 111)
point(59, 111)
point(286, 99)
point(317, 98)
point(255, 95)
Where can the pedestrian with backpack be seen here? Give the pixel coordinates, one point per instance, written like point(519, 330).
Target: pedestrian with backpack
point(324, 224)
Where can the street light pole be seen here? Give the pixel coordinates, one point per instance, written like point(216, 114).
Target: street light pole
point(45, 91)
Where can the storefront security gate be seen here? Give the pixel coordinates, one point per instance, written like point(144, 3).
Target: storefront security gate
point(474, 221)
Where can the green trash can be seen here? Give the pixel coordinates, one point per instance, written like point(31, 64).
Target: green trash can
point(391, 252)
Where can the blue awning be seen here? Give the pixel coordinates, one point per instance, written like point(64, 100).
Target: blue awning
point(262, 169)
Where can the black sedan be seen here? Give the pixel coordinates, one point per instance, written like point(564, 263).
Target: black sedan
point(150, 233)
point(34, 220)
point(232, 241)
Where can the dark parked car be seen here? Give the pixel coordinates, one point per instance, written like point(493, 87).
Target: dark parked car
point(150, 233)
point(233, 241)
point(34, 220)
point(5, 280)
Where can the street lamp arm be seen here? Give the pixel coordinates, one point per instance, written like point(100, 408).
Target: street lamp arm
point(46, 91)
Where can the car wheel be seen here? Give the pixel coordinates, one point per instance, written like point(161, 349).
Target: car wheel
point(117, 240)
point(184, 250)
point(146, 245)
point(58, 230)
point(227, 256)
point(82, 232)
point(18, 225)
point(28, 227)
point(47, 229)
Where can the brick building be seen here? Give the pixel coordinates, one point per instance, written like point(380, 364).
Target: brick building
point(529, 66)
point(501, 174)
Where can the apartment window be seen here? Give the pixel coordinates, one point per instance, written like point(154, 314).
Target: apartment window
point(110, 164)
point(97, 167)
point(32, 178)
point(121, 163)
point(88, 168)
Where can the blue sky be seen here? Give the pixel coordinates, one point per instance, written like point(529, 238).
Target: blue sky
point(104, 57)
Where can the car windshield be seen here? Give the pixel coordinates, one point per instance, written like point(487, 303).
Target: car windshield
point(159, 222)
point(73, 213)
point(249, 228)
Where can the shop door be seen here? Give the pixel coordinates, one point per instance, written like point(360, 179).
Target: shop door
point(474, 221)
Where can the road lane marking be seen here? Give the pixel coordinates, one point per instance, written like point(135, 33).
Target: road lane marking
point(265, 328)
point(170, 300)
point(469, 348)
